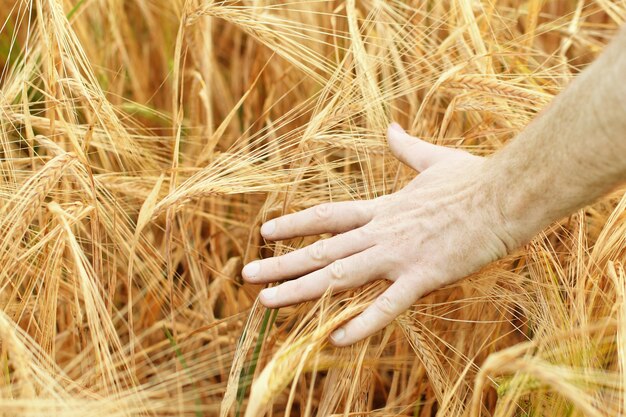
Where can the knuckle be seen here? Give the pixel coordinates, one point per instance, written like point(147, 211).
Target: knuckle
point(435, 281)
point(373, 231)
point(365, 233)
point(323, 211)
point(316, 251)
point(381, 203)
point(385, 305)
point(430, 208)
point(364, 208)
point(277, 264)
point(362, 326)
point(337, 270)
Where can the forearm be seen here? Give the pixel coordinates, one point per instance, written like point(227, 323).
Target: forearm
point(572, 153)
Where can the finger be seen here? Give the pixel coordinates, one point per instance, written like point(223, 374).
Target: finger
point(389, 305)
point(414, 152)
point(323, 218)
point(343, 274)
point(305, 260)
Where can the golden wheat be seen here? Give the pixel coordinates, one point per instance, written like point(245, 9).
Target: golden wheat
point(143, 143)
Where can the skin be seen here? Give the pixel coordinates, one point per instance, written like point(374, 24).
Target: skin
point(462, 211)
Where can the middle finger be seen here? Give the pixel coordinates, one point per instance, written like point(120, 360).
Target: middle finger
point(307, 259)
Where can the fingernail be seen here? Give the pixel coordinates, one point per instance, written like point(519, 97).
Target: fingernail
point(268, 228)
point(252, 269)
point(395, 126)
point(269, 293)
point(337, 335)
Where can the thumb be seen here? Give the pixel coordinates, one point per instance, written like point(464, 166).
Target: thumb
point(414, 152)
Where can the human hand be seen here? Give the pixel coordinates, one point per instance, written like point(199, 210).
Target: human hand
point(444, 225)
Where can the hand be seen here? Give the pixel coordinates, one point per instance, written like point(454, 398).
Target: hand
point(444, 225)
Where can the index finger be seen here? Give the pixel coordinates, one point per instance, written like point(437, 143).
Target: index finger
point(324, 218)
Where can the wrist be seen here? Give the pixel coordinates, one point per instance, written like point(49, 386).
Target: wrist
point(519, 209)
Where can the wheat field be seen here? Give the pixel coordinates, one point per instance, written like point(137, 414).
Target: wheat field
point(143, 142)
